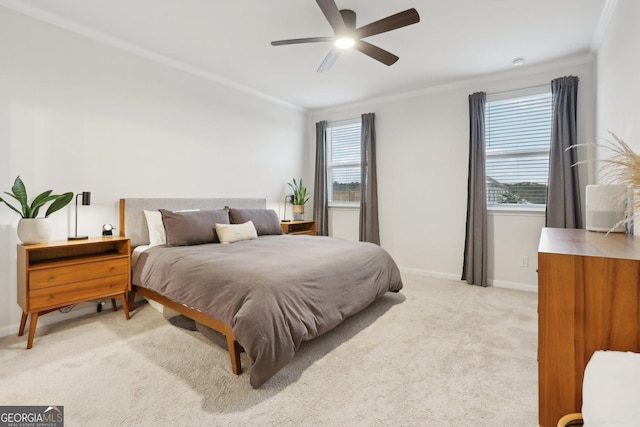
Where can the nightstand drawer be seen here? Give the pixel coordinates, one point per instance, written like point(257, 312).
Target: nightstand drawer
point(39, 279)
point(58, 296)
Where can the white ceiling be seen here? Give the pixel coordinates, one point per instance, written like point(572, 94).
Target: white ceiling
point(229, 41)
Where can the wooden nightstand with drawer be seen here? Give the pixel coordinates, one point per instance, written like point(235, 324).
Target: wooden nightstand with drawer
point(299, 227)
point(58, 274)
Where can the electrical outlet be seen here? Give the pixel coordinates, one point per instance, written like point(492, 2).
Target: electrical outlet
point(524, 261)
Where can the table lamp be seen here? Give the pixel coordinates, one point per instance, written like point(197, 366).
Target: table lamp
point(86, 201)
point(288, 197)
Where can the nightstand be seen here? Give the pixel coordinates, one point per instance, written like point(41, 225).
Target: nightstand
point(299, 227)
point(57, 274)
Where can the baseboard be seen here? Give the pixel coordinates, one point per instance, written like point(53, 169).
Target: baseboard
point(497, 283)
point(517, 286)
point(418, 272)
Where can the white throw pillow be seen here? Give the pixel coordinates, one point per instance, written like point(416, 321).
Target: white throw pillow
point(229, 233)
point(611, 390)
point(157, 235)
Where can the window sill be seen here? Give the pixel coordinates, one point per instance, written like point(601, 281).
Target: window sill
point(345, 206)
point(538, 210)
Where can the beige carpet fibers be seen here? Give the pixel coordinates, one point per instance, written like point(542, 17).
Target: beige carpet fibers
point(440, 353)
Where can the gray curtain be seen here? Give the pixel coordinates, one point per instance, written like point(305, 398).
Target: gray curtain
point(474, 268)
point(369, 227)
point(320, 197)
point(564, 209)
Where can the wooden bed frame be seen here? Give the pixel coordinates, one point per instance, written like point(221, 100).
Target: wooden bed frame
point(198, 316)
point(127, 212)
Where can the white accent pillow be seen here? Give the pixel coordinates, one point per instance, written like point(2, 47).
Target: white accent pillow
point(229, 233)
point(157, 235)
point(611, 389)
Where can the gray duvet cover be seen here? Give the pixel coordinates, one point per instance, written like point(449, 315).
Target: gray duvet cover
point(275, 291)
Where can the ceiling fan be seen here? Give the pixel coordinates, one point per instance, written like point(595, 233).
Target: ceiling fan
point(346, 35)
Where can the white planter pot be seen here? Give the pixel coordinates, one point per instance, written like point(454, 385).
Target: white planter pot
point(34, 230)
point(298, 212)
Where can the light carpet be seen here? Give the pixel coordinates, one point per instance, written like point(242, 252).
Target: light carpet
point(440, 353)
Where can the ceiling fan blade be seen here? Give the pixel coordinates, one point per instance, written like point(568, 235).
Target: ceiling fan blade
point(300, 41)
point(389, 23)
point(329, 60)
point(332, 13)
point(387, 58)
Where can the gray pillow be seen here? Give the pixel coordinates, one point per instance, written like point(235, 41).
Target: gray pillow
point(266, 221)
point(193, 227)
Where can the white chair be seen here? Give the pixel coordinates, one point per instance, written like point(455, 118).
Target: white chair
point(610, 392)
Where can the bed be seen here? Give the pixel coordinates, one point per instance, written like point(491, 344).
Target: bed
point(265, 291)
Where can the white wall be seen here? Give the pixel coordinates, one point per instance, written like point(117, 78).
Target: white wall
point(618, 68)
point(422, 143)
point(343, 223)
point(78, 115)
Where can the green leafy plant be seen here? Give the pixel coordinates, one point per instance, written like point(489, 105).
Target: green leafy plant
point(19, 193)
point(511, 197)
point(300, 195)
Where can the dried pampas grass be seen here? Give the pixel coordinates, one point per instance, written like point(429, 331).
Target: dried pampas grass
point(622, 167)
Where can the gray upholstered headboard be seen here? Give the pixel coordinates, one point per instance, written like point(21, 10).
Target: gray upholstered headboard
point(134, 225)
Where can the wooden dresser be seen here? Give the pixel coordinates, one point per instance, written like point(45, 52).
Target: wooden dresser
point(588, 300)
point(57, 274)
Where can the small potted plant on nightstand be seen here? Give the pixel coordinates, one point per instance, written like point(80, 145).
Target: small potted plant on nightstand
point(300, 198)
point(32, 229)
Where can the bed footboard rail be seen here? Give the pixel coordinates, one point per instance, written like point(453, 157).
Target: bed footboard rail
point(215, 324)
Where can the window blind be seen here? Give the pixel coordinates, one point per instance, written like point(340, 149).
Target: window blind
point(517, 136)
point(343, 165)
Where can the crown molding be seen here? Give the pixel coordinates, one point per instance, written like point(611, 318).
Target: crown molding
point(603, 24)
point(110, 40)
point(570, 61)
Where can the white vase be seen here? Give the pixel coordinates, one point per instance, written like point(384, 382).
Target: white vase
point(34, 230)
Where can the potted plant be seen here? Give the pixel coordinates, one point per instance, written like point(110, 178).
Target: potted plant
point(32, 229)
point(299, 198)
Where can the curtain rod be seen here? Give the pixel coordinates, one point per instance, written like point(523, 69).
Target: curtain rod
point(344, 121)
point(541, 86)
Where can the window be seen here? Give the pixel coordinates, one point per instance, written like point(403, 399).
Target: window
point(517, 138)
point(343, 163)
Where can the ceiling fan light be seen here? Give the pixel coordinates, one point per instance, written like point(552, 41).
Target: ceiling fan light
point(345, 42)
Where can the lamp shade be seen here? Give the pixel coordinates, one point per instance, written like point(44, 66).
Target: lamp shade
point(86, 198)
